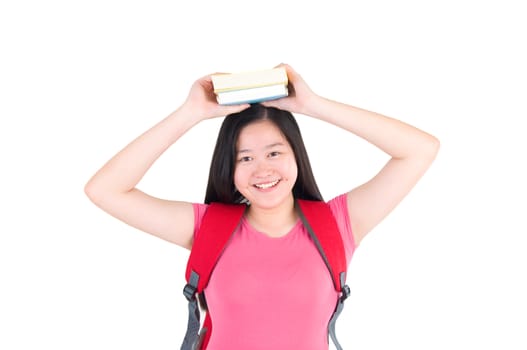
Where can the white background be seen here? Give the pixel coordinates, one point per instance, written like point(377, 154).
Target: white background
point(80, 79)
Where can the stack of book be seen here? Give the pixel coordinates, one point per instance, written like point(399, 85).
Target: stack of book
point(251, 86)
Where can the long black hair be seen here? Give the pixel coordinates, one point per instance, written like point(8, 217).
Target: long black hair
point(220, 186)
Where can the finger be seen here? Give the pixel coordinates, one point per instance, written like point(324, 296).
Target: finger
point(236, 108)
point(292, 74)
point(273, 103)
point(208, 77)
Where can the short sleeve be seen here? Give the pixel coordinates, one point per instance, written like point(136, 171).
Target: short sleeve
point(199, 211)
point(339, 208)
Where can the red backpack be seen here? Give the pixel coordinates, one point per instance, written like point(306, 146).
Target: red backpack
point(219, 223)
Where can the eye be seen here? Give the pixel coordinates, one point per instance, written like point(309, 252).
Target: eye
point(274, 154)
point(245, 159)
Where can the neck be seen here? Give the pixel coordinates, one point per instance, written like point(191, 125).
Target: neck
point(276, 221)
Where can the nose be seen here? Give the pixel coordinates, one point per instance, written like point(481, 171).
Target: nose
point(262, 169)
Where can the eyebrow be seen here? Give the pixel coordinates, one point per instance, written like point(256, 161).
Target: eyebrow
point(246, 150)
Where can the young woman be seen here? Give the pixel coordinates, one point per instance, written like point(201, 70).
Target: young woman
point(269, 289)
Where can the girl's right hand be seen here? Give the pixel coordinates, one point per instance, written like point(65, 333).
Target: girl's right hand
point(202, 101)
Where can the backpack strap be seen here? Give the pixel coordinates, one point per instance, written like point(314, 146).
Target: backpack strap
point(318, 218)
point(218, 224)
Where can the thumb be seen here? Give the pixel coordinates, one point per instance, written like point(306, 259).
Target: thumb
point(235, 108)
point(278, 103)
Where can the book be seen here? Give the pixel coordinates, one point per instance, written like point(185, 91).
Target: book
point(253, 95)
point(250, 86)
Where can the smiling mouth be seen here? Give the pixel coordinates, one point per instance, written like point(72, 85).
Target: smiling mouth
point(267, 185)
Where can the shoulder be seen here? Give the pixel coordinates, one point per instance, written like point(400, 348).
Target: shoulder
point(219, 213)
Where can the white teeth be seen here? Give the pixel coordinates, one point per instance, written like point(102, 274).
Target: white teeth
point(267, 185)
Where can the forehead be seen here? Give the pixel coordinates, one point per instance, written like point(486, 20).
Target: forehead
point(260, 134)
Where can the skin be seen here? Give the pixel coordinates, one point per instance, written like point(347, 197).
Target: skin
point(265, 174)
point(411, 151)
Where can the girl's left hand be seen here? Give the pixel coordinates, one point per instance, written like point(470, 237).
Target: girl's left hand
point(300, 94)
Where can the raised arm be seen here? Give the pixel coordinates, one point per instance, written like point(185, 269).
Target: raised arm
point(411, 150)
point(113, 187)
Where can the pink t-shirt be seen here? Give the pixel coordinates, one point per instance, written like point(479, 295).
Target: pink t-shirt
point(273, 293)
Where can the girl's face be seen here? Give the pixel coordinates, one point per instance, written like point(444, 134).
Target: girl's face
point(265, 170)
